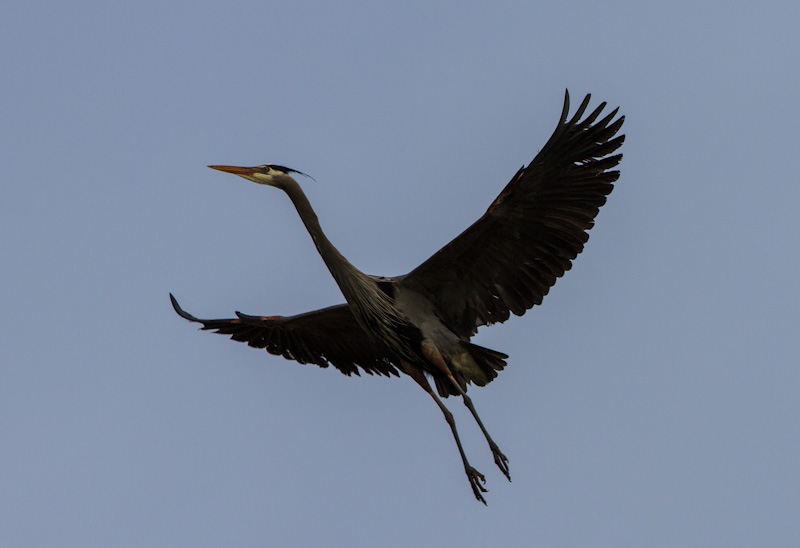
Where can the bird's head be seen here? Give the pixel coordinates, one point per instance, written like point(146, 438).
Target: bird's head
point(267, 174)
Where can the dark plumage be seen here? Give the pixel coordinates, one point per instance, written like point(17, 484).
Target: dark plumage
point(420, 324)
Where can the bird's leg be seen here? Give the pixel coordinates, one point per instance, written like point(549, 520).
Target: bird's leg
point(476, 479)
point(499, 458)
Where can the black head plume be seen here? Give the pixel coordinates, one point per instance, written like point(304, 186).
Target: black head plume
point(287, 170)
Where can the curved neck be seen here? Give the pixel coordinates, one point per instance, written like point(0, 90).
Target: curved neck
point(347, 276)
point(373, 308)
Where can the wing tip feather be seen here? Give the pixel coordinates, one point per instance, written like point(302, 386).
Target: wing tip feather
point(181, 312)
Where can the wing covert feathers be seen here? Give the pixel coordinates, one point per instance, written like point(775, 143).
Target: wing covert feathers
point(330, 336)
point(507, 261)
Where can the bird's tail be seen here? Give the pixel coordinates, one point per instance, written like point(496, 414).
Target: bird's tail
point(488, 362)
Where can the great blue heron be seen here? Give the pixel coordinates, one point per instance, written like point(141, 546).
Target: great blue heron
point(421, 323)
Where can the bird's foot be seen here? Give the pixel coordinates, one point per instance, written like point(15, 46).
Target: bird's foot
point(477, 482)
point(500, 460)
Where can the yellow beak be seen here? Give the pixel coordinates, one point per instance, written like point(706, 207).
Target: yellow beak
point(243, 171)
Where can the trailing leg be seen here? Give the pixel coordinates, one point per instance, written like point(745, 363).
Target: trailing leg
point(499, 458)
point(476, 479)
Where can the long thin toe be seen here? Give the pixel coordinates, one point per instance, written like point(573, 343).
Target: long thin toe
point(476, 490)
point(477, 481)
point(501, 461)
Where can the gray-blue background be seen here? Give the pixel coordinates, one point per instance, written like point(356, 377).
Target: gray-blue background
point(651, 401)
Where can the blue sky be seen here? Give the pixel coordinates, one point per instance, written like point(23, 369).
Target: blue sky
point(651, 401)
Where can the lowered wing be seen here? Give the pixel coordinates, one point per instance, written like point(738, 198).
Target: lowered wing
point(330, 336)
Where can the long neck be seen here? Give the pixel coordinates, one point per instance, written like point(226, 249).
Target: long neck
point(372, 307)
point(348, 277)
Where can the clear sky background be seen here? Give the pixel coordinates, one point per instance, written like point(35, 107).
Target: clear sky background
point(651, 401)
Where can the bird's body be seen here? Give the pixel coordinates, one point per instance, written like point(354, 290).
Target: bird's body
point(421, 323)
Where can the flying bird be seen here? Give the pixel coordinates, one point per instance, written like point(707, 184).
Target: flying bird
point(420, 324)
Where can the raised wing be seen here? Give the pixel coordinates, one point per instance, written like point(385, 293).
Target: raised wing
point(330, 336)
point(508, 260)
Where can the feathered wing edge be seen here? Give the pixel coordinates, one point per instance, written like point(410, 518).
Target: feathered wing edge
point(508, 259)
point(330, 336)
